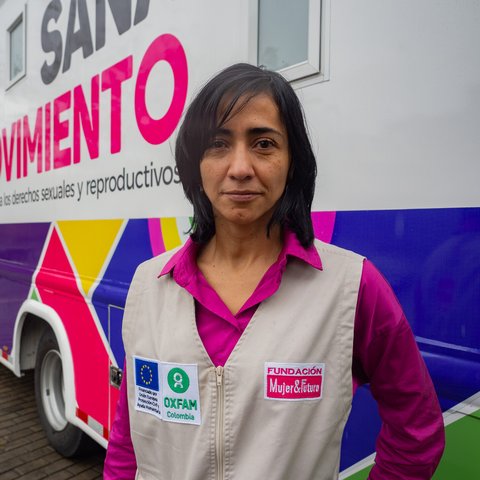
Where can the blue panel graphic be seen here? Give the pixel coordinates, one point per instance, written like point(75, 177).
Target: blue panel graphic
point(431, 258)
point(115, 318)
point(133, 249)
point(361, 430)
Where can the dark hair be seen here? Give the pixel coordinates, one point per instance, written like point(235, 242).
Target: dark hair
point(207, 112)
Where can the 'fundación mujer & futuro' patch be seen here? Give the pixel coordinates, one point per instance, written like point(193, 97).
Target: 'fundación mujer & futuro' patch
point(293, 381)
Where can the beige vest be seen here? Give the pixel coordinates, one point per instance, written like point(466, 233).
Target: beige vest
point(243, 435)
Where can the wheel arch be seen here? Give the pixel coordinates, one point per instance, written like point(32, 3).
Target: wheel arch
point(32, 320)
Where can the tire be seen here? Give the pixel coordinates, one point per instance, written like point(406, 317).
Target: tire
point(65, 438)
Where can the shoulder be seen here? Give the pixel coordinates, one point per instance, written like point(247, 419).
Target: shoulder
point(378, 303)
point(337, 266)
point(330, 253)
point(150, 270)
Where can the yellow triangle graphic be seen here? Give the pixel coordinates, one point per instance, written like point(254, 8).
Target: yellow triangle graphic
point(89, 242)
point(171, 238)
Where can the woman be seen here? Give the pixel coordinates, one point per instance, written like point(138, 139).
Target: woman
point(243, 345)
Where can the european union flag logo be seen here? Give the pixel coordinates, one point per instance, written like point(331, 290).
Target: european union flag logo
point(146, 374)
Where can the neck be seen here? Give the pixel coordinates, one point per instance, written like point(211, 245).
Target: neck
point(240, 246)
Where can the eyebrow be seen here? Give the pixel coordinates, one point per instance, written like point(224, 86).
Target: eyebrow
point(251, 131)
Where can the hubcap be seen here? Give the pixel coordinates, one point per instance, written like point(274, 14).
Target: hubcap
point(52, 388)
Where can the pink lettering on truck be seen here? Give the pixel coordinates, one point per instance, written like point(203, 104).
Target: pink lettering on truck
point(293, 381)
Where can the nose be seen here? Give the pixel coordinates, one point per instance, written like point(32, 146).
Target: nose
point(240, 165)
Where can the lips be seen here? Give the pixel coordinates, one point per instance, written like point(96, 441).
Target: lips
point(241, 195)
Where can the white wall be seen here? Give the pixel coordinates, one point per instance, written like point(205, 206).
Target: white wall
point(395, 126)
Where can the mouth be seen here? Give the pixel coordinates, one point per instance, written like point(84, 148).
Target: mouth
point(241, 195)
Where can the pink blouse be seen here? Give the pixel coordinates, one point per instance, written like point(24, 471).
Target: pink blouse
point(385, 355)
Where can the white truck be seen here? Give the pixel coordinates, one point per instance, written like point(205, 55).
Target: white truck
point(91, 94)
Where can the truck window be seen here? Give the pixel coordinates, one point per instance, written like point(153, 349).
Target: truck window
point(289, 37)
point(16, 51)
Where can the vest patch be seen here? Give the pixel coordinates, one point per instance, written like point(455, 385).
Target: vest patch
point(166, 390)
point(147, 386)
point(293, 381)
point(181, 397)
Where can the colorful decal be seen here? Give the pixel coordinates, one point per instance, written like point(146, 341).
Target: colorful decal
point(93, 424)
point(20, 249)
point(108, 299)
point(156, 238)
point(171, 238)
point(430, 257)
point(34, 295)
point(460, 459)
point(88, 243)
point(167, 233)
point(323, 225)
point(57, 285)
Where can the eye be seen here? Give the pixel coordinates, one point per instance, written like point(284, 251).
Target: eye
point(264, 144)
point(217, 144)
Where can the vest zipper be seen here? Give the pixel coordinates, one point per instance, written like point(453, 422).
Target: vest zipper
point(220, 422)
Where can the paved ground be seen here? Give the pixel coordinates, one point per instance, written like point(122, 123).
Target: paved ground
point(24, 450)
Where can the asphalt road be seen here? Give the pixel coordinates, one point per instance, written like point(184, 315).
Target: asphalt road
point(24, 449)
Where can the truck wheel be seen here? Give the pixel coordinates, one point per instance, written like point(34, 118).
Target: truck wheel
point(67, 439)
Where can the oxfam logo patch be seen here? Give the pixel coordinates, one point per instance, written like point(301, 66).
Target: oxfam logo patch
point(178, 380)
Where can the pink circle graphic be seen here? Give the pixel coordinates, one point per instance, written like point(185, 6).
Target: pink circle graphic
point(164, 48)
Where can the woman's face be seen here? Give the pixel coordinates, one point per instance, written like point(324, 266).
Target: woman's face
point(244, 170)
